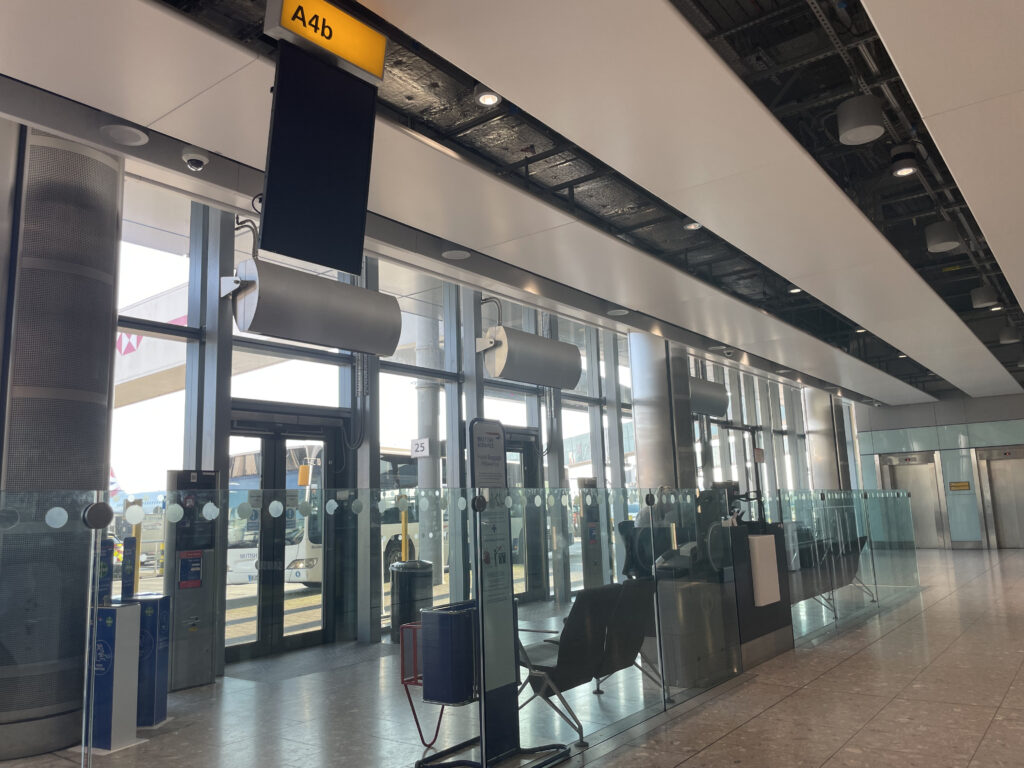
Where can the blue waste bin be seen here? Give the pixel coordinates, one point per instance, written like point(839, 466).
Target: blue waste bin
point(448, 649)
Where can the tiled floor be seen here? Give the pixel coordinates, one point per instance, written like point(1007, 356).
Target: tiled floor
point(935, 683)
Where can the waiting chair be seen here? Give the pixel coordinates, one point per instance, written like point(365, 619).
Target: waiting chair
point(575, 657)
point(629, 625)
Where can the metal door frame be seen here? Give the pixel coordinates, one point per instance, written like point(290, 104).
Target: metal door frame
point(912, 458)
point(274, 428)
point(982, 457)
point(527, 441)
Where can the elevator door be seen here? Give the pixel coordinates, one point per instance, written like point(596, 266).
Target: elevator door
point(919, 479)
point(1007, 479)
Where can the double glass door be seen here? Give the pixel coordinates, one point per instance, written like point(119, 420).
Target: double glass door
point(276, 552)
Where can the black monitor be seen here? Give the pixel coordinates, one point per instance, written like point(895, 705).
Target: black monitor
point(318, 162)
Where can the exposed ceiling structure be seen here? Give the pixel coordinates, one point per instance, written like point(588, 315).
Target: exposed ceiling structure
point(802, 58)
point(705, 146)
point(971, 100)
point(221, 101)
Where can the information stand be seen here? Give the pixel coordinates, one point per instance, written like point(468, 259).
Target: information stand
point(493, 587)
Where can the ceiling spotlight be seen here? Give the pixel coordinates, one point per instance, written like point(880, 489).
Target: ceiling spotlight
point(455, 254)
point(1009, 335)
point(125, 135)
point(903, 160)
point(941, 237)
point(485, 96)
point(692, 225)
point(794, 289)
point(861, 330)
point(860, 120)
point(617, 312)
point(984, 296)
point(996, 308)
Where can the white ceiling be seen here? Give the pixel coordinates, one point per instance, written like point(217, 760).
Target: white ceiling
point(964, 67)
point(637, 86)
point(210, 92)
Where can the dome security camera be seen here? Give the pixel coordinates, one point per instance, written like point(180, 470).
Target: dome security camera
point(195, 158)
point(728, 352)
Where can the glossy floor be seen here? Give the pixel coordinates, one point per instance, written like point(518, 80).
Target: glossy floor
point(935, 683)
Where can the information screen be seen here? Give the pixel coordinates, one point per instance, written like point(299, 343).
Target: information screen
point(318, 162)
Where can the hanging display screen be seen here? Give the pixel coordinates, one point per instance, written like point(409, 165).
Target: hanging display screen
point(318, 162)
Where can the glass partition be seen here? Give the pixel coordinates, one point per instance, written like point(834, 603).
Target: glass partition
point(848, 552)
point(618, 641)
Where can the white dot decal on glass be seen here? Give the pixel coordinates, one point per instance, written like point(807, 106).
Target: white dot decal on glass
point(276, 508)
point(210, 510)
point(590, 499)
point(305, 508)
point(357, 506)
point(508, 502)
point(133, 515)
point(174, 513)
point(552, 501)
point(565, 500)
point(403, 503)
point(537, 500)
point(331, 506)
point(56, 517)
point(462, 502)
point(430, 535)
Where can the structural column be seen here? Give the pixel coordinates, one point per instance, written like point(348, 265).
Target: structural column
point(60, 212)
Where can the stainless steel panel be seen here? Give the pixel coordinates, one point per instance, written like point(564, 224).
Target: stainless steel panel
point(1007, 487)
point(919, 480)
point(821, 439)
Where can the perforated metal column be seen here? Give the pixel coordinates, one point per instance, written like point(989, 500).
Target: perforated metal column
point(56, 432)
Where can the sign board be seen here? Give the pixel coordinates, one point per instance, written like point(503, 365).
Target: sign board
point(961, 485)
point(420, 448)
point(319, 26)
point(487, 454)
point(190, 569)
point(759, 455)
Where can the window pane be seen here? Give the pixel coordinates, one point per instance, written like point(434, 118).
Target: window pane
point(421, 298)
point(153, 276)
point(264, 377)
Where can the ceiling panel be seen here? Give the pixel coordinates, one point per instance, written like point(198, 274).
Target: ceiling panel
point(133, 58)
point(951, 53)
point(646, 94)
point(247, 95)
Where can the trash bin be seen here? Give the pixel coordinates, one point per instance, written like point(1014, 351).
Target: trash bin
point(448, 652)
point(412, 590)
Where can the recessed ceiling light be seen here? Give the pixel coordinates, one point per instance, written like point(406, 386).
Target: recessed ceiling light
point(455, 254)
point(692, 225)
point(485, 96)
point(902, 356)
point(861, 330)
point(784, 370)
point(617, 312)
point(996, 308)
point(125, 135)
point(794, 289)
